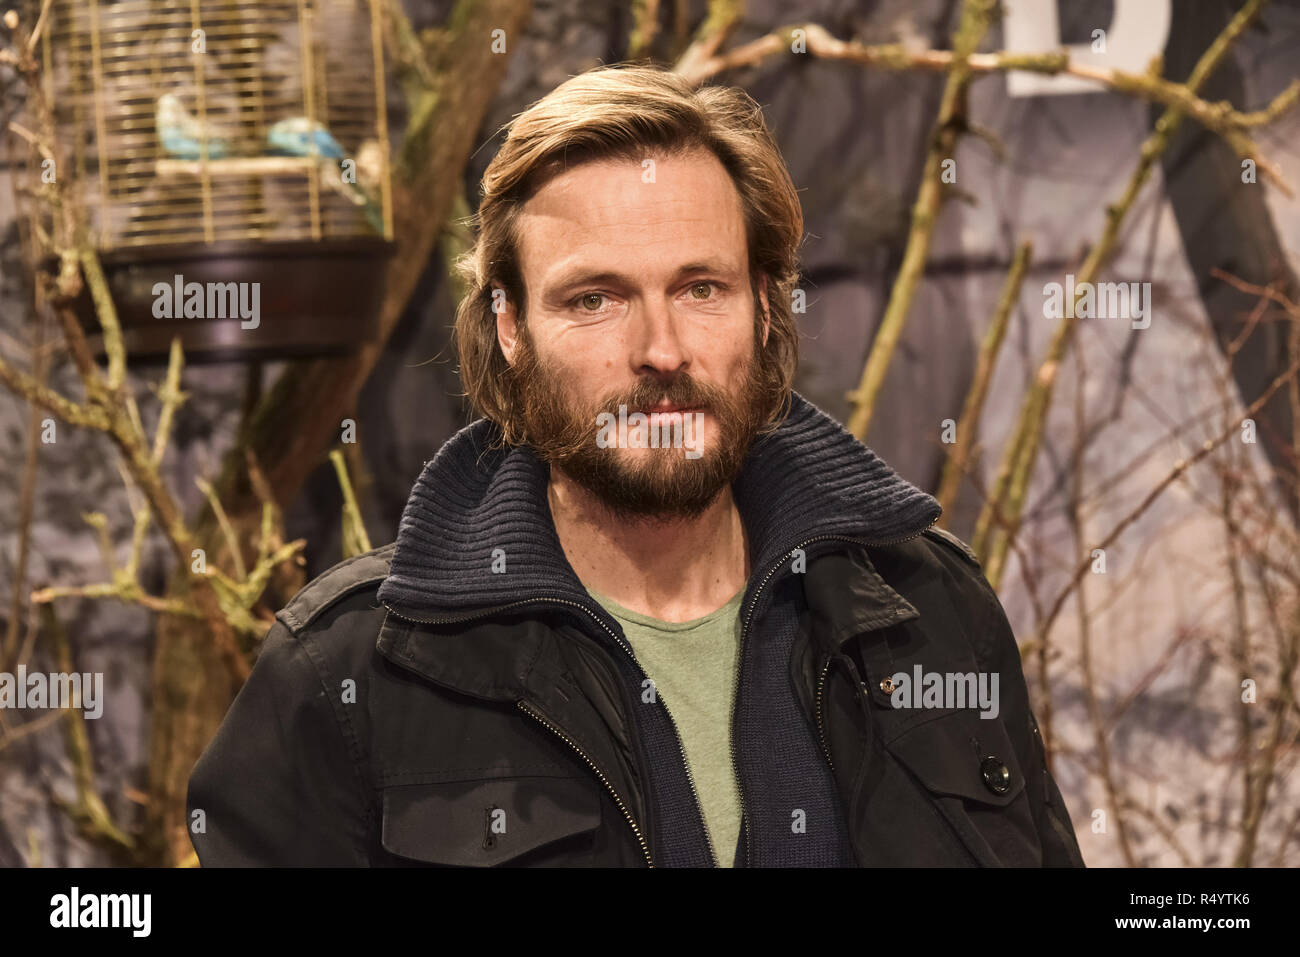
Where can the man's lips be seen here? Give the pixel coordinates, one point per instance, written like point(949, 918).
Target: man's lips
point(665, 409)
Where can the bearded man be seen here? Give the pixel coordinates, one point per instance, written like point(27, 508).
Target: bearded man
point(686, 647)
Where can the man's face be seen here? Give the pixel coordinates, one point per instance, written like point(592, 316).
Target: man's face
point(638, 294)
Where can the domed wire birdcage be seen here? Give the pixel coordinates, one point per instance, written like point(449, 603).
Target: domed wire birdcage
point(220, 141)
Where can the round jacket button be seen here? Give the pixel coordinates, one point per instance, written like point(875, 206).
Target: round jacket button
point(997, 776)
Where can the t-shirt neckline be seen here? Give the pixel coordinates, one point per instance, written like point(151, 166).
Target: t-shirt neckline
point(627, 614)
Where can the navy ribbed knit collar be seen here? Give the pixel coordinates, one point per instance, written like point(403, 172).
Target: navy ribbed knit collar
point(809, 478)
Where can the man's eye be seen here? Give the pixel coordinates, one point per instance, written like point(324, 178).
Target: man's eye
point(706, 286)
point(591, 301)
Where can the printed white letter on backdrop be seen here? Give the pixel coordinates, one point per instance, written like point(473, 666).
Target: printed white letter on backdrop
point(1135, 34)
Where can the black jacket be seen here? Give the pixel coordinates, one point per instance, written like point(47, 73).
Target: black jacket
point(458, 699)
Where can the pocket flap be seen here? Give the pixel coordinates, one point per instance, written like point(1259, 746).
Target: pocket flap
point(484, 822)
point(959, 753)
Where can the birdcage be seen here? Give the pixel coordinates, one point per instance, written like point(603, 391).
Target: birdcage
point(220, 142)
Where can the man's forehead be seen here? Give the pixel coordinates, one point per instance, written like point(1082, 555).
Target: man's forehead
point(682, 209)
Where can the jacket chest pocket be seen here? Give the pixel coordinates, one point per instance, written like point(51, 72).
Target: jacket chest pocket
point(517, 821)
point(967, 768)
point(948, 783)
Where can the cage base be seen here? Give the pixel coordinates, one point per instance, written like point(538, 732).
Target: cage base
point(300, 299)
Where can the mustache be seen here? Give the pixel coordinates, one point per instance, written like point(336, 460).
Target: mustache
point(683, 391)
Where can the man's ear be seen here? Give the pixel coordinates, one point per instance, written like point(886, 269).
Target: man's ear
point(767, 312)
point(507, 323)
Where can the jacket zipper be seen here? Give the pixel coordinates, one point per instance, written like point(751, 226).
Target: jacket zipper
point(617, 800)
point(735, 767)
point(627, 648)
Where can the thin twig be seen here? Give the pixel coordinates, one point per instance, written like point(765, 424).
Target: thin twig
point(976, 17)
point(968, 425)
point(355, 539)
point(228, 530)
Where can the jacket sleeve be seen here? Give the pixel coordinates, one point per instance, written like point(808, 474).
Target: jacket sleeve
point(279, 785)
point(1060, 846)
point(1001, 655)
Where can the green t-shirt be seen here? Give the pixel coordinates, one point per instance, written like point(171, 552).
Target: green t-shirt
point(693, 667)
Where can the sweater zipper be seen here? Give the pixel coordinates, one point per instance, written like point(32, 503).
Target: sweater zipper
point(821, 731)
point(735, 767)
point(618, 800)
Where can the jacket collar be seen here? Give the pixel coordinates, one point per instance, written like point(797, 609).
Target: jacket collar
point(476, 503)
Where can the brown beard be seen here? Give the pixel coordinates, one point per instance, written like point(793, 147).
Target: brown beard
point(665, 484)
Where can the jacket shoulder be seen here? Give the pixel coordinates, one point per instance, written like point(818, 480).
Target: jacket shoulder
point(358, 573)
point(951, 541)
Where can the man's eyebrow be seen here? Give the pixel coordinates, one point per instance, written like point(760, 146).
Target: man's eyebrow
point(581, 276)
point(706, 265)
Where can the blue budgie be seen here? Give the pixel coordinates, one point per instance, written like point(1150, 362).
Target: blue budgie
point(298, 136)
point(181, 135)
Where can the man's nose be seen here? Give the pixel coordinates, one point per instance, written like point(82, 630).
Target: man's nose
point(659, 342)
